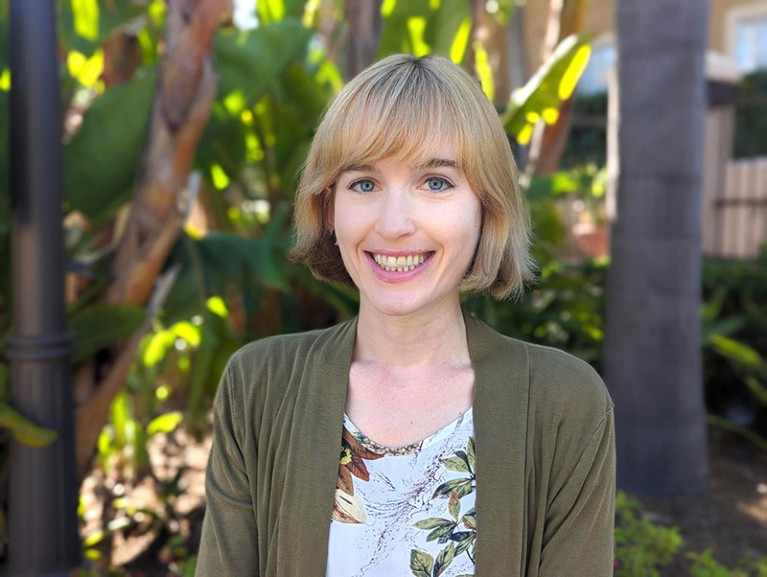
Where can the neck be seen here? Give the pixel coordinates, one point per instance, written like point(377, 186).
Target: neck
point(412, 340)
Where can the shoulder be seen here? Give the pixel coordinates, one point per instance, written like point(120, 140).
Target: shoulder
point(557, 375)
point(558, 386)
point(265, 367)
point(282, 351)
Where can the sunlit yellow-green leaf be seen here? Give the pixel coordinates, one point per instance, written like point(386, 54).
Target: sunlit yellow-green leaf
point(460, 41)
point(217, 306)
point(157, 11)
point(416, 25)
point(219, 177)
point(388, 7)
point(484, 70)
point(5, 80)
point(574, 70)
point(544, 92)
point(93, 539)
point(86, 70)
point(525, 135)
point(550, 115)
point(235, 103)
point(738, 352)
point(86, 14)
point(23, 430)
point(166, 423)
point(156, 347)
point(187, 331)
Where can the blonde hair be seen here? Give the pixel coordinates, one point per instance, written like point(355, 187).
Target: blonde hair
point(405, 108)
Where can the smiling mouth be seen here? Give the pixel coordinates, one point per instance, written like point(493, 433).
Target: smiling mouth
point(400, 263)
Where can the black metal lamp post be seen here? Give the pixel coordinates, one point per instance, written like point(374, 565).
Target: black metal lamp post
point(42, 508)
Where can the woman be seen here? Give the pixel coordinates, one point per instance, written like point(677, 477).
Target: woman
point(462, 452)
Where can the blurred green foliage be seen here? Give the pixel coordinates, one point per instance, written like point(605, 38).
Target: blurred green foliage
point(751, 116)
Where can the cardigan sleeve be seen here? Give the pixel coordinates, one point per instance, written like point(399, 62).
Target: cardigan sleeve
point(229, 544)
point(578, 539)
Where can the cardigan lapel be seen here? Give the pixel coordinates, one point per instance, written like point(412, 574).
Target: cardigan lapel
point(501, 372)
point(315, 447)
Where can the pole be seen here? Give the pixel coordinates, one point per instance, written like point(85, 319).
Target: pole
point(42, 508)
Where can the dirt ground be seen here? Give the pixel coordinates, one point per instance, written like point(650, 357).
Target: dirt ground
point(731, 519)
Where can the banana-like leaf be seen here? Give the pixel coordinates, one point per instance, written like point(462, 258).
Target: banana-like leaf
point(422, 26)
point(102, 325)
point(86, 24)
point(101, 160)
point(271, 11)
point(740, 353)
point(165, 423)
point(218, 261)
point(250, 62)
point(543, 94)
point(23, 430)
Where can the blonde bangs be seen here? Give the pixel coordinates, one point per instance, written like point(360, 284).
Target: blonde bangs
point(408, 119)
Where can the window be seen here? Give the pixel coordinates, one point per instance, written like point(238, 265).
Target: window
point(747, 36)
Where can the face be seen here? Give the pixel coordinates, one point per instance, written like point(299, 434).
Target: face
point(407, 234)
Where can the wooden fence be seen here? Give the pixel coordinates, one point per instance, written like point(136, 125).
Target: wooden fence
point(736, 225)
point(734, 193)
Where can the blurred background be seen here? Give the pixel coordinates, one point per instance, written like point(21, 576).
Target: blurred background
point(184, 125)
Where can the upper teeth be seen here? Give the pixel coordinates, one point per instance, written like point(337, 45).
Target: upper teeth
point(399, 263)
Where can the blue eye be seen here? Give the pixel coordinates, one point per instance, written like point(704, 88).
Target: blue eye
point(363, 186)
point(437, 184)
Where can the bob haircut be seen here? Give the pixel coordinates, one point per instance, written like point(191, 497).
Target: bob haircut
point(405, 108)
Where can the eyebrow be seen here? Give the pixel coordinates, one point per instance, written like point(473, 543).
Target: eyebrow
point(437, 163)
point(357, 168)
point(432, 163)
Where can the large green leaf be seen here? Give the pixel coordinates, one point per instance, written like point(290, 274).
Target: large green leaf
point(228, 258)
point(425, 27)
point(249, 63)
point(449, 29)
point(85, 24)
point(102, 325)
point(23, 430)
point(271, 11)
point(739, 352)
point(543, 94)
point(101, 161)
point(219, 261)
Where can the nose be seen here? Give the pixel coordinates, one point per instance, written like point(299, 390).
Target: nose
point(395, 216)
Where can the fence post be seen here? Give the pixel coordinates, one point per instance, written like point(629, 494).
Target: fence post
point(42, 508)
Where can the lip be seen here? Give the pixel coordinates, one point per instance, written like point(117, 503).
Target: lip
point(397, 276)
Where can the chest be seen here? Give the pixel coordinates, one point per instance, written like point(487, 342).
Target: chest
point(396, 408)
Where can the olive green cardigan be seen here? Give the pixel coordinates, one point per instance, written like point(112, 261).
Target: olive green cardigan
point(545, 458)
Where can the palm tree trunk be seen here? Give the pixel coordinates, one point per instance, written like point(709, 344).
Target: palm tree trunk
point(652, 346)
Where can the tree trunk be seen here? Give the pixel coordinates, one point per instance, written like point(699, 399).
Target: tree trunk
point(653, 344)
point(363, 29)
point(185, 93)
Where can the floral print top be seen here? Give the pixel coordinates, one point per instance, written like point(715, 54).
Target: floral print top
point(407, 511)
